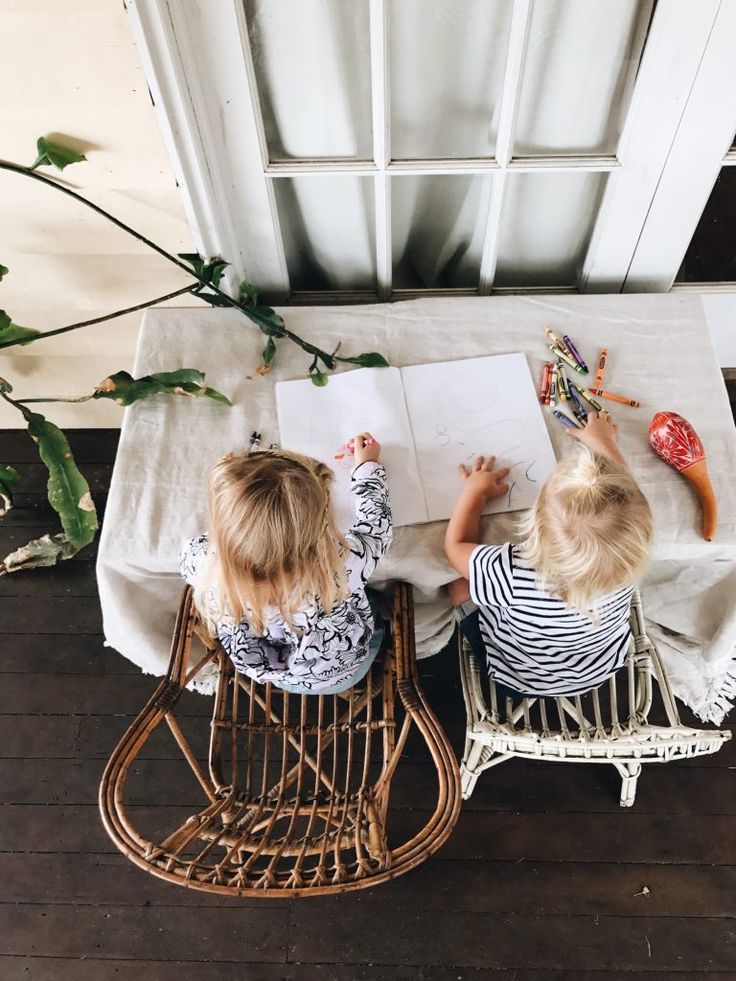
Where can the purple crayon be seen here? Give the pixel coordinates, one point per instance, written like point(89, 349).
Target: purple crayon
point(575, 353)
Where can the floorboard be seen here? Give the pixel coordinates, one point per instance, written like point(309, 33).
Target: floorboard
point(542, 880)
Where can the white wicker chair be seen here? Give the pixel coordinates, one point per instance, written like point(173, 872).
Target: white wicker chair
point(588, 728)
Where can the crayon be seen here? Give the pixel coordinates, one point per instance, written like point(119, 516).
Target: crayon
point(561, 386)
point(552, 386)
point(616, 398)
point(588, 396)
point(579, 409)
point(255, 441)
point(564, 419)
point(569, 361)
point(602, 357)
point(574, 351)
point(544, 385)
point(556, 340)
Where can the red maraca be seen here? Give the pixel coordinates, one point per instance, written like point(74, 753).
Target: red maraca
point(676, 442)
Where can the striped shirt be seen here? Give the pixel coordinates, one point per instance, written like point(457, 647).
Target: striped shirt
point(535, 643)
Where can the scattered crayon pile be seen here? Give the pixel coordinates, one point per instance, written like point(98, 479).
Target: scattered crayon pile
point(566, 398)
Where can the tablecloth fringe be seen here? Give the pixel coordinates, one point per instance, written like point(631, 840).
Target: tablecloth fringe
point(721, 696)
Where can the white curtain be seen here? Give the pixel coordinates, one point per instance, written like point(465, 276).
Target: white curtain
point(447, 61)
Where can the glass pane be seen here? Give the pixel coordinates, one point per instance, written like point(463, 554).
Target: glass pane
point(711, 255)
point(546, 224)
point(446, 68)
point(438, 230)
point(312, 65)
point(581, 61)
point(327, 226)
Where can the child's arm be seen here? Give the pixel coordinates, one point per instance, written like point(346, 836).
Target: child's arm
point(372, 531)
point(601, 435)
point(482, 484)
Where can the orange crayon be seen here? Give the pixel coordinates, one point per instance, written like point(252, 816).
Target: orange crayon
point(601, 368)
point(616, 398)
point(557, 341)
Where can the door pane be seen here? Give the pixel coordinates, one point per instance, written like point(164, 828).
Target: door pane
point(581, 61)
point(438, 226)
point(327, 226)
point(711, 255)
point(546, 224)
point(312, 65)
point(446, 73)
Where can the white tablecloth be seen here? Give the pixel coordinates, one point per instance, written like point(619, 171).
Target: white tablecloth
point(659, 352)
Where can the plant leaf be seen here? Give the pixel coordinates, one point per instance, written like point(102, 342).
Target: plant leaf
point(125, 390)
point(248, 293)
point(268, 321)
point(41, 552)
point(319, 378)
point(3, 270)
point(269, 351)
point(11, 333)
point(371, 359)
point(215, 300)
point(210, 271)
point(54, 154)
point(9, 477)
point(68, 490)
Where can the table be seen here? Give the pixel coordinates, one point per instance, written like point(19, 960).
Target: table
point(659, 352)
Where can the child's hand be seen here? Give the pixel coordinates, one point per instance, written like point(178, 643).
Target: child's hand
point(365, 448)
point(482, 480)
point(600, 435)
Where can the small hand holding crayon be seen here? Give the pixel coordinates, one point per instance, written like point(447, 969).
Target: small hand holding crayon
point(362, 447)
point(483, 480)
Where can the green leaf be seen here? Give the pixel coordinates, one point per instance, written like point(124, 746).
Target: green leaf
point(5, 386)
point(9, 477)
point(269, 351)
point(248, 293)
point(210, 271)
point(68, 491)
point(369, 360)
point(3, 270)
point(267, 320)
point(51, 153)
point(319, 378)
point(41, 552)
point(11, 333)
point(125, 390)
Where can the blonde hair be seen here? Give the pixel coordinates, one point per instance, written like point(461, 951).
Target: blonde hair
point(590, 530)
point(272, 541)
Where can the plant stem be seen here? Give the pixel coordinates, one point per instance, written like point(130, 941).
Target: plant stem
point(14, 402)
point(82, 398)
point(108, 316)
point(50, 182)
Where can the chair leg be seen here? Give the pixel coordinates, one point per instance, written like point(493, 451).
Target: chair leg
point(470, 768)
point(629, 777)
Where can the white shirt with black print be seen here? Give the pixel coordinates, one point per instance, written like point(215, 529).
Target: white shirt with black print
point(324, 648)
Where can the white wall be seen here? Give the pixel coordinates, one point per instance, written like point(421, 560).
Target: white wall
point(71, 67)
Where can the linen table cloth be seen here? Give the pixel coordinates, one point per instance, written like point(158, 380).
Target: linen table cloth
point(659, 352)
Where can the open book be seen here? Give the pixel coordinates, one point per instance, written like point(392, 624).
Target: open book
point(428, 419)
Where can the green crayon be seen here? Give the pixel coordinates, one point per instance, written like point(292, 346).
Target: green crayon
point(569, 361)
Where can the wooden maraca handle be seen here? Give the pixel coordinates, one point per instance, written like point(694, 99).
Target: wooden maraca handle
point(697, 474)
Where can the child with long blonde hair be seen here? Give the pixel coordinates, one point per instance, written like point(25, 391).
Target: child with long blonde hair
point(277, 582)
point(551, 615)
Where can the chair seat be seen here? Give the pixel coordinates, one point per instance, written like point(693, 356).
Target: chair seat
point(617, 723)
point(295, 788)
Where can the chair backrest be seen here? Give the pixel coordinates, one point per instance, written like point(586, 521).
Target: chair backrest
point(296, 788)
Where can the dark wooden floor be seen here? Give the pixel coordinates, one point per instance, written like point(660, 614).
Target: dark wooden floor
point(542, 878)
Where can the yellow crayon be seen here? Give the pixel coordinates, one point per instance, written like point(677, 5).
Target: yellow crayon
point(588, 396)
point(561, 382)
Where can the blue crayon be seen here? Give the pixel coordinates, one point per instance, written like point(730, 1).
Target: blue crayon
point(565, 420)
point(580, 408)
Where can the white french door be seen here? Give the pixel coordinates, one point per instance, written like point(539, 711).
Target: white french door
point(362, 149)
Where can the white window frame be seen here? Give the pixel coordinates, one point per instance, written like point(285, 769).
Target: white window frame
point(197, 60)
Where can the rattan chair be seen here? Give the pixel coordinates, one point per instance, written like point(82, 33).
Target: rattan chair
point(294, 796)
point(608, 725)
